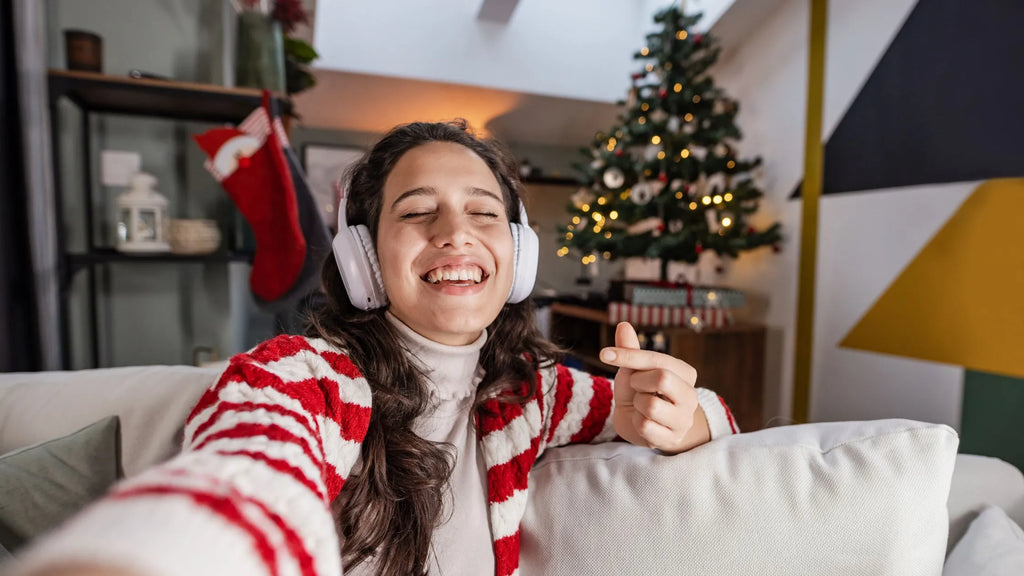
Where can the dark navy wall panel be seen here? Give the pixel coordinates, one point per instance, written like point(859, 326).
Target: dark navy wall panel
point(944, 104)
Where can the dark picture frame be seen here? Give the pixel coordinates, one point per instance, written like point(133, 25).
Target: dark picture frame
point(324, 165)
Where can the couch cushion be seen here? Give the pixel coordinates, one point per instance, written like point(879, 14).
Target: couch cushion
point(44, 484)
point(992, 546)
point(832, 498)
point(151, 401)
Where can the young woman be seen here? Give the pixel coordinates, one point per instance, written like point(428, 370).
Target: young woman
point(397, 438)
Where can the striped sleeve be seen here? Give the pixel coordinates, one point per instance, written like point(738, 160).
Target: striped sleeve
point(720, 419)
point(266, 449)
point(578, 407)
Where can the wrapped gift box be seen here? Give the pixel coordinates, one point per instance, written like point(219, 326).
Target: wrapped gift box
point(641, 315)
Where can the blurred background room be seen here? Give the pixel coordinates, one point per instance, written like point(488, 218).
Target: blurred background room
point(871, 270)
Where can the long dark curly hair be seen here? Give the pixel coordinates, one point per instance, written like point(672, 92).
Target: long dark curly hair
point(388, 510)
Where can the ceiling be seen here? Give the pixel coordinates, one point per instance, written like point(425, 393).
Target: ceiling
point(361, 102)
point(369, 103)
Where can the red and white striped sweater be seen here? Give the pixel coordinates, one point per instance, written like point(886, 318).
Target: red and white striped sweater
point(270, 445)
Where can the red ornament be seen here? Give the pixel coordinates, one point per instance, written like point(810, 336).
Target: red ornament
point(686, 187)
point(663, 177)
point(619, 152)
point(661, 227)
point(637, 75)
point(662, 93)
point(699, 248)
point(698, 38)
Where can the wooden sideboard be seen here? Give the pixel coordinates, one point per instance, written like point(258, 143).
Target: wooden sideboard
point(728, 360)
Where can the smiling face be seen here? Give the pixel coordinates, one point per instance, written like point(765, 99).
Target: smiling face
point(444, 243)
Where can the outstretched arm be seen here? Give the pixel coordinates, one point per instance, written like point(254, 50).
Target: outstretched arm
point(266, 450)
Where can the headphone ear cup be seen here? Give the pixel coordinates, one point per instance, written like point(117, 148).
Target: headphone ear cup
point(379, 296)
point(360, 271)
point(526, 248)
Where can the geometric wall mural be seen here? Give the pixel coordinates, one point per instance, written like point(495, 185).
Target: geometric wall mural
point(928, 276)
point(960, 300)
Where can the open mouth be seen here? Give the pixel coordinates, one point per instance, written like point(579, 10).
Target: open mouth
point(456, 275)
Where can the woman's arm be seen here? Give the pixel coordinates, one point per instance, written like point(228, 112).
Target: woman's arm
point(266, 450)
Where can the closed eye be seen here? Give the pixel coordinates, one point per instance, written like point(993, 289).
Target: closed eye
point(413, 215)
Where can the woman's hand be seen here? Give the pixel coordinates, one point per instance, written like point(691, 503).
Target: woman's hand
point(655, 400)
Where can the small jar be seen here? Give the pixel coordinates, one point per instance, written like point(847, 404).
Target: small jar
point(83, 50)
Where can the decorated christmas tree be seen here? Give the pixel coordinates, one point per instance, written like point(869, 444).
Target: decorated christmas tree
point(667, 182)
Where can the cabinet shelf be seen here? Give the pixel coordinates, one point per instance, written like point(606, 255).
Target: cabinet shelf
point(160, 98)
point(77, 261)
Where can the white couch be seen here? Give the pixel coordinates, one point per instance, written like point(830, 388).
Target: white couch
point(877, 497)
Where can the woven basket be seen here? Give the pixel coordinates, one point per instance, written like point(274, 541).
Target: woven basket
point(194, 236)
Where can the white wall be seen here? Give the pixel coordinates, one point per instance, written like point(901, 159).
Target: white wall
point(855, 267)
point(767, 74)
point(569, 48)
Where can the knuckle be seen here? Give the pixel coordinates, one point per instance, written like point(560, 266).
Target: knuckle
point(647, 428)
point(691, 374)
point(652, 408)
point(664, 379)
point(642, 403)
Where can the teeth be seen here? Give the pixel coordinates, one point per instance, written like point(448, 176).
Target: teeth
point(454, 275)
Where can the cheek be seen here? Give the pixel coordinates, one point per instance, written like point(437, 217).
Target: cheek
point(505, 254)
point(389, 255)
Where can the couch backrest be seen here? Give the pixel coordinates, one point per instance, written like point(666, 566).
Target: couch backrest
point(979, 481)
point(151, 401)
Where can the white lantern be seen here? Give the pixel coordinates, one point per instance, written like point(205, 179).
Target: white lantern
point(141, 224)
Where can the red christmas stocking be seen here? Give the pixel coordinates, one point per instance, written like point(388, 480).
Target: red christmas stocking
point(251, 166)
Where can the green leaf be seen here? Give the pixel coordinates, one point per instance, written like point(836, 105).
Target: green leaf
point(299, 50)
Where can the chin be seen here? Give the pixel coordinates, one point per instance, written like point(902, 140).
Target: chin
point(460, 323)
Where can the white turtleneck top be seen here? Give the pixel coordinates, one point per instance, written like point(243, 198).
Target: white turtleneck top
point(462, 544)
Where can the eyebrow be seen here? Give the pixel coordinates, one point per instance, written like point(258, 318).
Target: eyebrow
point(431, 191)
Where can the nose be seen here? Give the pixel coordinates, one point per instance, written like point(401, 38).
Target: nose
point(451, 229)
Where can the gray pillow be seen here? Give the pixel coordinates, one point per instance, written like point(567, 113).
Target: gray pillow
point(44, 484)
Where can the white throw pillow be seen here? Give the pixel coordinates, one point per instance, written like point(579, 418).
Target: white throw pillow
point(843, 498)
point(151, 401)
point(992, 546)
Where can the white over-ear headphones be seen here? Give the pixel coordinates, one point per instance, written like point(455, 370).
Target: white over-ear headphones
point(360, 269)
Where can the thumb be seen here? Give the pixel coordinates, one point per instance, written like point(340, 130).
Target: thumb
point(625, 336)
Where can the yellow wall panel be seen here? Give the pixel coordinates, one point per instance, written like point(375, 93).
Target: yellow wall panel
point(961, 300)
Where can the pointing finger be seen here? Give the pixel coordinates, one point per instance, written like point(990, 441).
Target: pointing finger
point(648, 360)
